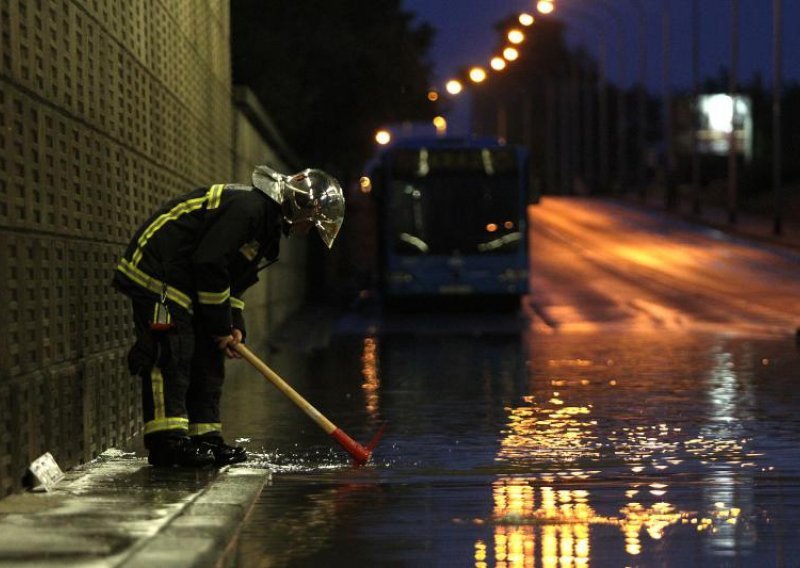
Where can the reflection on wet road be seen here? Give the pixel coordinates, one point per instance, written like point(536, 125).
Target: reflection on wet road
point(580, 433)
point(597, 264)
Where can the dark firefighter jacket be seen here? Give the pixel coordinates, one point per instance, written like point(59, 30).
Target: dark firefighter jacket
point(202, 250)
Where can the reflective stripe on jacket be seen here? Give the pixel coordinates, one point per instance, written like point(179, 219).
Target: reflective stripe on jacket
point(202, 249)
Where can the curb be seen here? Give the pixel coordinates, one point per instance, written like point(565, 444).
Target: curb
point(206, 532)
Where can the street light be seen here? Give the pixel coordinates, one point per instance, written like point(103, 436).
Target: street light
point(365, 184)
point(545, 6)
point(454, 86)
point(440, 123)
point(498, 63)
point(526, 19)
point(510, 54)
point(383, 137)
point(477, 75)
point(515, 36)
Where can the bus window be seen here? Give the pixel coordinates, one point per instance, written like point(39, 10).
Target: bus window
point(452, 213)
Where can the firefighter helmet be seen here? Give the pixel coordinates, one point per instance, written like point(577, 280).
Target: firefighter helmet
point(311, 195)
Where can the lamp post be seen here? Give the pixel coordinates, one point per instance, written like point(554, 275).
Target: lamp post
point(564, 152)
point(733, 180)
point(550, 128)
point(777, 88)
point(639, 82)
point(622, 119)
point(670, 197)
point(641, 93)
point(598, 26)
point(696, 209)
point(589, 112)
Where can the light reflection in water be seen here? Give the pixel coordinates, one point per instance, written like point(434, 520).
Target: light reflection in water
point(371, 374)
point(729, 397)
point(527, 511)
point(550, 430)
point(556, 432)
point(560, 521)
point(642, 455)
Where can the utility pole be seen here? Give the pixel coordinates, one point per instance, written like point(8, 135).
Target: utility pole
point(733, 173)
point(622, 118)
point(642, 100)
point(597, 25)
point(777, 94)
point(696, 208)
point(670, 197)
point(551, 120)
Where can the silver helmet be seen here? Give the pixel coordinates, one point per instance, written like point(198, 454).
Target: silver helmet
point(310, 195)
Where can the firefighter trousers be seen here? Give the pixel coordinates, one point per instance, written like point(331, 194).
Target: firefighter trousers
point(182, 373)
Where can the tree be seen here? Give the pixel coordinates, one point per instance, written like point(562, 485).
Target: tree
point(330, 73)
point(517, 103)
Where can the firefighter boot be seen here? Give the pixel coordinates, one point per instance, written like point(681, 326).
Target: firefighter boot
point(178, 451)
point(223, 453)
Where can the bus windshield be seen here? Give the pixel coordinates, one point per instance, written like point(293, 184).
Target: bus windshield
point(455, 212)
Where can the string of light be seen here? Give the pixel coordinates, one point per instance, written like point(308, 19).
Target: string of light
point(478, 74)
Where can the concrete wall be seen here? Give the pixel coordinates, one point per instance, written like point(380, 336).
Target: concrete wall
point(107, 107)
point(281, 287)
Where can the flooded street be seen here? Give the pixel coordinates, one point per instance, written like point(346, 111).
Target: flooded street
point(637, 412)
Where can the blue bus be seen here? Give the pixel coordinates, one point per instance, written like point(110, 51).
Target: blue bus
point(451, 218)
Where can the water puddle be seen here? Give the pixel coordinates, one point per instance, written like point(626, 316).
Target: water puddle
point(532, 450)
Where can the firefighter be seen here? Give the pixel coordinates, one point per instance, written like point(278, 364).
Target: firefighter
point(184, 271)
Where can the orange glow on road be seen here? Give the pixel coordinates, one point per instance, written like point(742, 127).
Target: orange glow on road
point(696, 280)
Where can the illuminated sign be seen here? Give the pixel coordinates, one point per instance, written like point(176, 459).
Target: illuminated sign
point(718, 115)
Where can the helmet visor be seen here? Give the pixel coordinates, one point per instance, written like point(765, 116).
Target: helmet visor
point(329, 220)
point(317, 197)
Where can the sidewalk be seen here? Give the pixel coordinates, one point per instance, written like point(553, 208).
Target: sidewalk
point(756, 227)
point(119, 511)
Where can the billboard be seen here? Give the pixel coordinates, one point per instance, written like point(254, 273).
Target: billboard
point(718, 115)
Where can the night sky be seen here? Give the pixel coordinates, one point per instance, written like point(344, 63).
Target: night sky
point(466, 35)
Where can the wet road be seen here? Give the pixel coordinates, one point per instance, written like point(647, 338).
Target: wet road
point(641, 411)
point(598, 264)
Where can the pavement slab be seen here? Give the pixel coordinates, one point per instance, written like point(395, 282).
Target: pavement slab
point(119, 511)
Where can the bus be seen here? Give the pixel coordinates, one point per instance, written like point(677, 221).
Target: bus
point(451, 218)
